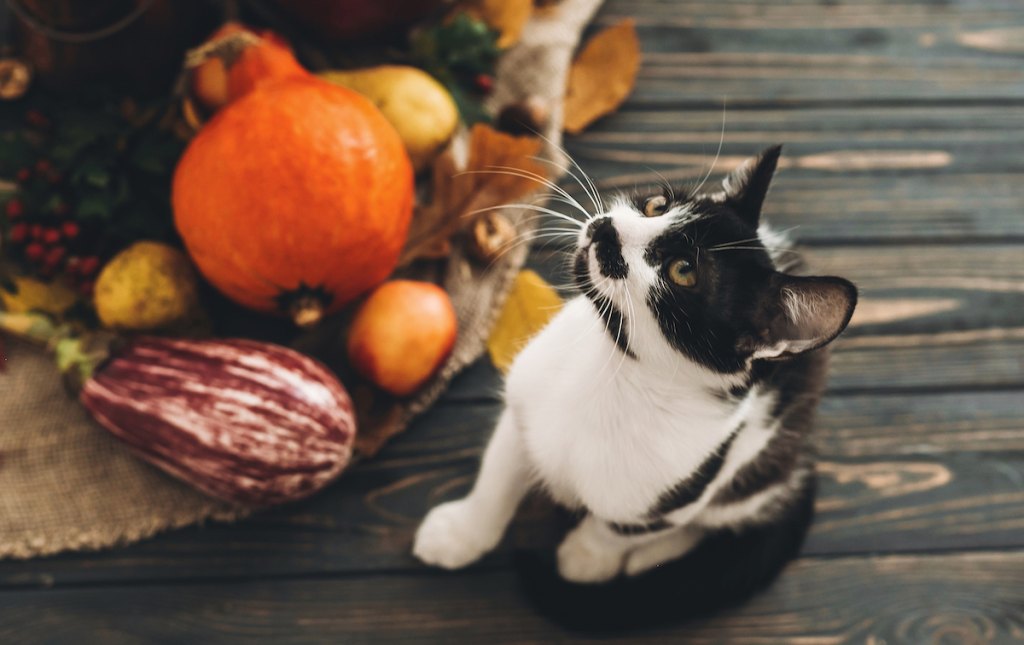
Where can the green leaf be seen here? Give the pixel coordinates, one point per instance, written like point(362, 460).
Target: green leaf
point(122, 193)
point(94, 205)
point(456, 53)
point(471, 109)
point(92, 174)
point(53, 203)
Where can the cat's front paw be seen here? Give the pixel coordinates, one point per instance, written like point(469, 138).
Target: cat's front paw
point(581, 559)
point(451, 537)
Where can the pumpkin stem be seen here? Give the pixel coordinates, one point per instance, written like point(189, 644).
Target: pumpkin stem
point(306, 311)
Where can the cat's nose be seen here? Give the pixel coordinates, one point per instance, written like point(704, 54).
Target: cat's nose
point(602, 231)
point(607, 248)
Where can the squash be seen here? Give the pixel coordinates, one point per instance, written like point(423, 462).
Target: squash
point(295, 198)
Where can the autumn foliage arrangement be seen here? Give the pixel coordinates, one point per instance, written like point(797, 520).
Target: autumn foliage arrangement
point(135, 233)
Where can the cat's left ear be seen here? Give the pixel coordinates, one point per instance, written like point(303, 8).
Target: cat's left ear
point(809, 313)
point(747, 185)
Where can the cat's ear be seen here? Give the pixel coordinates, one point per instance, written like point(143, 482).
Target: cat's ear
point(747, 185)
point(809, 312)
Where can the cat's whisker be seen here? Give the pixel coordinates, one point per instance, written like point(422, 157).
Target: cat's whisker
point(532, 176)
point(593, 193)
point(753, 248)
point(527, 238)
point(755, 239)
point(615, 338)
point(666, 183)
point(529, 174)
point(629, 330)
point(557, 198)
point(530, 207)
point(721, 140)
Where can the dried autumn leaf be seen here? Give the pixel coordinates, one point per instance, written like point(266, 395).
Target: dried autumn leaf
point(530, 305)
point(602, 76)
point(507, 17)
point(497, 173)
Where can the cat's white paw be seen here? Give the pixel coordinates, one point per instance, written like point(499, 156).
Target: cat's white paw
point(581, 559)
point(451, 537)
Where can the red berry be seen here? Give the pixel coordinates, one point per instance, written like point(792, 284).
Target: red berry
point(37, 231)
point(484, 83)
point(54, 256)
point(34, 251)
point(15, 208)
point(24, 175)
point(37, 119)
point(70, 230)
point(19, 233)
point(51, 236)
point(62, 209)
point(85, 288)
point(43, 166)
point(88, 266)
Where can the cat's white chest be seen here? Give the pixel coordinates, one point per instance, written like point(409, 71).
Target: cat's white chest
point(597, 439)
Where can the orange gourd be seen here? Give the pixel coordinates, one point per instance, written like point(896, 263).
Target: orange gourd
point(235, 59)
point(295, 198)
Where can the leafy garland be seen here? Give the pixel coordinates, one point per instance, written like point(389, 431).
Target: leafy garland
point(461, 53)
point(92, 178)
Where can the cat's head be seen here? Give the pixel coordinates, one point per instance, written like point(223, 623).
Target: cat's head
point(692, 272)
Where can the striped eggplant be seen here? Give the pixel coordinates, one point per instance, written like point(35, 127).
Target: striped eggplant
point(243, 421)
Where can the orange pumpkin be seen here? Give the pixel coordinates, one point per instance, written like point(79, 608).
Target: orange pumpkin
point(237, 59)
point(295, 198)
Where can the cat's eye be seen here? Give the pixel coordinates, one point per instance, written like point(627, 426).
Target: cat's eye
point(655, 206)
point(681, 272)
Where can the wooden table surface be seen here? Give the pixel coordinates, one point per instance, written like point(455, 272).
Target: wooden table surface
point(904, 171)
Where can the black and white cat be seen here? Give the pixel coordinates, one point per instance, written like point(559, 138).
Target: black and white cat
point(670, 403)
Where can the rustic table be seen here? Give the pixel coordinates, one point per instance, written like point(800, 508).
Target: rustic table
point(904, 125)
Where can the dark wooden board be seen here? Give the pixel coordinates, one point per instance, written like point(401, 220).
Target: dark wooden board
point(866, 51)
point(898, 474)
point(969, 598)
point(898, 174)
point(903, 124)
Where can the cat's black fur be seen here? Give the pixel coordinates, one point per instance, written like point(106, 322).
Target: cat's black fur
point(724, 570)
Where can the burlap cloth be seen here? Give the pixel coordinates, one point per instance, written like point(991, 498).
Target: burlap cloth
point(65, 484)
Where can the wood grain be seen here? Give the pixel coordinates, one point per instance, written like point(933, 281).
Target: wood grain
point(903, 126)
point(961, 598)
point(855, 50)
point(899, 174)
point(899, 473)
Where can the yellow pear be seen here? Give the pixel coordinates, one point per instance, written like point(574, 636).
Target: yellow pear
point(420, 108)
point(147, 286)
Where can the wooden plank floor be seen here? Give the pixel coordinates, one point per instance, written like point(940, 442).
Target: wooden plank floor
point(904, 124)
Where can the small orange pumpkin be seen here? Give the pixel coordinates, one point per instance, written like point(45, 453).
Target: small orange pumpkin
point(296, 198)
point(237, 58)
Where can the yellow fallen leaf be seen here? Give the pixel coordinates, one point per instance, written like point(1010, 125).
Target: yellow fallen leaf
point(507, 17)
point(33, 295)
point(530, 305)
point(602, 76)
